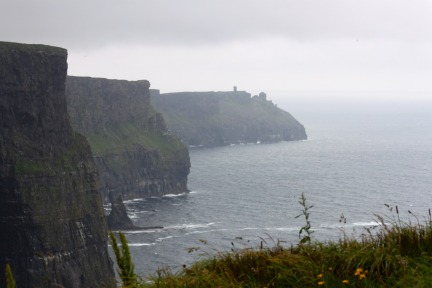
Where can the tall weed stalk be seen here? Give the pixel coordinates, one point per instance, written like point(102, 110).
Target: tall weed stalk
point(124, 261)
point(306, 229)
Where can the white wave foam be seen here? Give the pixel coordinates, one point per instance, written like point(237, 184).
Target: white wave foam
point(140, 231)
point(206, 231)
point(355, 224)
point(174, 195)
point(141, 244)
point(134, 200)
point(190, 226)
point(332, 226)
point(250, 228)
point(133, 215)
point(197, 232)
point(287, 229)
point(271, 228)
point(366, 224)
point(164, 238)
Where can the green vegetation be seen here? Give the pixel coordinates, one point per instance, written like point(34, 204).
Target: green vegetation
point(124, 261)
point(124, 137)
point(306, 229)
point(28, 167)
point(32, 167)
point(48, 165)
point(398, 254)
point(10, 280)
point(222, 118)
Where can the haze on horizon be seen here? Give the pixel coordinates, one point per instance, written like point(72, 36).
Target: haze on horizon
point(272, 46)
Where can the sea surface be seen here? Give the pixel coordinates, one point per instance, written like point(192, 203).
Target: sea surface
point(360, 156)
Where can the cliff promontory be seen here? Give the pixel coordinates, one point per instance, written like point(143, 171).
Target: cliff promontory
point(222, 118)
point(52, 227)
point(135, 153)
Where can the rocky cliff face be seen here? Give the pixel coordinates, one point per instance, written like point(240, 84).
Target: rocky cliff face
point(118, 218)
point(52, 225)
point(222, 118)
point(135, 153)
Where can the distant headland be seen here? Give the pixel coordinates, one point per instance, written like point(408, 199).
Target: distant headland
point(223, 118)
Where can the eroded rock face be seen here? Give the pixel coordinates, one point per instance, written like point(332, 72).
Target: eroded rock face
point(135, 153)
point(118, 218)
point(223, 118)
point(52, 226)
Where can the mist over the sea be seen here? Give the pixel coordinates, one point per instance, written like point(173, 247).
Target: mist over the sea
point(359, 156)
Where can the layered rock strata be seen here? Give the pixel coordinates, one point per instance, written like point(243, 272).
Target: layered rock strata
point(135, 153)
point(223, 118)
point(52, 227)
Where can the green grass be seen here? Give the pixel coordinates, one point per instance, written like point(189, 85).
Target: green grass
point(47, 166)
point(10, 280)
point(124, 137)
point(396, 255)
point(23, 167)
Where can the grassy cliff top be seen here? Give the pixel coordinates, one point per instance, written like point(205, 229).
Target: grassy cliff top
point(123, 137)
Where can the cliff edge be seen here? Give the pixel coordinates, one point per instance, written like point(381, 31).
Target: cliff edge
point(52, 226)
point(135, 153)
point(223, 118)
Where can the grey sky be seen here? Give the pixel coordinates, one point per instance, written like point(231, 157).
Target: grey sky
point(271, 45)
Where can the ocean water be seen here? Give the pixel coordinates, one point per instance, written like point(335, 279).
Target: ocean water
point(359, 156)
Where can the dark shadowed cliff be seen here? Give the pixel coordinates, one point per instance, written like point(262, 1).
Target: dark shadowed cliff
point(222, 118)
point(52, 227)
point(135, 153)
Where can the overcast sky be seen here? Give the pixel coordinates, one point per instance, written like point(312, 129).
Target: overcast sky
point(267, 45)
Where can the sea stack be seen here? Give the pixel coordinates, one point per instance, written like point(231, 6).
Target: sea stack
point(118, 218)
point(53, 230)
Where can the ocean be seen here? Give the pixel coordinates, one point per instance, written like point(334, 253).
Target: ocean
point(360, 157)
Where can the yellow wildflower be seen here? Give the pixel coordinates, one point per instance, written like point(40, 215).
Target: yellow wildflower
point(345, 281)
point(362, 276)
point(320, 283)
point(320, 276)
point(358, 272)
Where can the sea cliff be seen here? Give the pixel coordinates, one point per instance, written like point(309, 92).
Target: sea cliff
point(53, 230)
point(223, 118)
point(135, 153)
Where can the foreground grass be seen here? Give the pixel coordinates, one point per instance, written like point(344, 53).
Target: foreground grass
point(398, 255)
point(380, 262)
